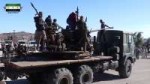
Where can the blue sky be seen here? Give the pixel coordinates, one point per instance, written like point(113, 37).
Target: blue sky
point(128, 15)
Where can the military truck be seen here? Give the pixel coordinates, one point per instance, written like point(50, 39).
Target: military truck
point(76, 67)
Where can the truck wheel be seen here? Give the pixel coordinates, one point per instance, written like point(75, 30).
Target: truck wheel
point(60, 76)
point(84, 75)
point(125, 70)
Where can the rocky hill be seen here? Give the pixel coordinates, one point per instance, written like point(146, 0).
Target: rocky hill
point(17, 36)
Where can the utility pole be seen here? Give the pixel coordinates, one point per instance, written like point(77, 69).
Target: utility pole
point(14, 37)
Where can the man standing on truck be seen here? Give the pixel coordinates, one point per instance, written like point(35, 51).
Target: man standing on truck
point(102, 38)
point(40, 35)
point(82, 32)
point(72, 20)
point(103, 28)
point(55, 25)
point(49, 31)
point(48, 20)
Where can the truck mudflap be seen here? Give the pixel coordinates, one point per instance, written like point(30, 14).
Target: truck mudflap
point(33, 64)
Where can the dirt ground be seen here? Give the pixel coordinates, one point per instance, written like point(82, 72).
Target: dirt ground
point(140, 75)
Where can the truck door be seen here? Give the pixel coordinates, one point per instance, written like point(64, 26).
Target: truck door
point(131, 44)
point(128, 44)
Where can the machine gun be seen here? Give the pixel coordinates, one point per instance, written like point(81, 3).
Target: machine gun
point(99, 29)
point(91, 31)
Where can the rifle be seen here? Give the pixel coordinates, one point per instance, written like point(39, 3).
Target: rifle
point(77, 13)
point(86, 19)
point(109, 28)
point(34, 8)
point(59, 27)
point(93, 31)
point(99, 29)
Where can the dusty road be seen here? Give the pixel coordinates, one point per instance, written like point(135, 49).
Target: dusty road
point(140, 75)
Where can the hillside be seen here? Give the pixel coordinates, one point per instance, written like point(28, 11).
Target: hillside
point(17, 36)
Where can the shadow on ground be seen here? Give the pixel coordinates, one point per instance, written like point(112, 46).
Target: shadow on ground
point(21, 81)
point(105, 77)
point(97, 78)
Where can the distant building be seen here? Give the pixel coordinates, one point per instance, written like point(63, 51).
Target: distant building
point(16, 36)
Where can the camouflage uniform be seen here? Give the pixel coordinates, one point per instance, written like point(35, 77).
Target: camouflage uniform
point(51, 33)
point(82, 30)
point(55, 25)
point(40, 35)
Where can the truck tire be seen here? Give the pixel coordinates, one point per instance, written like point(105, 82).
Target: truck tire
point(84, 75)
point(126, 69)
point(60, 76)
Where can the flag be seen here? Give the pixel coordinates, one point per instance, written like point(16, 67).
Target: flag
point(13, 7)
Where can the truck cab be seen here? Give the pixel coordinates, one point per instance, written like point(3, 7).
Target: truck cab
point(123, 42)
point(119, 45)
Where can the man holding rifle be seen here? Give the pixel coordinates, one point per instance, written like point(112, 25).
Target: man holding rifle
point(40, 34)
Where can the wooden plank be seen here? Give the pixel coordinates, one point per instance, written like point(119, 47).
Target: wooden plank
point(61, 54)
point(31, 64)
point(76, 52)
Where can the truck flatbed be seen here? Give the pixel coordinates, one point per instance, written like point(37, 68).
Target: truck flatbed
point(32, 64)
